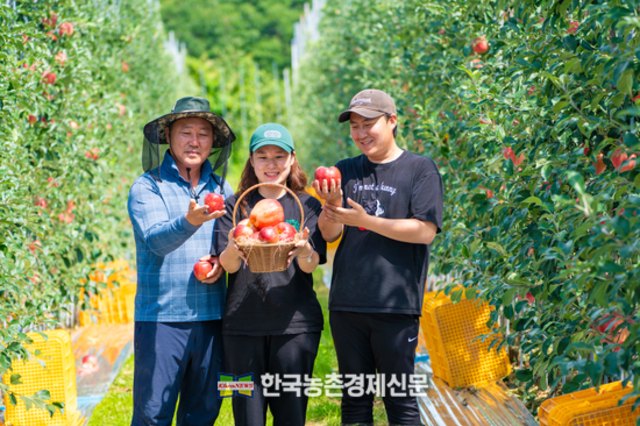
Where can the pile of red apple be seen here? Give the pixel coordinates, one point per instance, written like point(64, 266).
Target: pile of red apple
point(265, 224)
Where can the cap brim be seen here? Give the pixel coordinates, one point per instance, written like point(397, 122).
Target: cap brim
point(223, 133)
point(365, 112)
point(279, 144)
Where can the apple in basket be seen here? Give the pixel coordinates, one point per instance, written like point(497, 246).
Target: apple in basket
point(286, 231)
point(201, 269)
point(267, 212)
point(243, 231)
point(248, 223)
point(269, 235)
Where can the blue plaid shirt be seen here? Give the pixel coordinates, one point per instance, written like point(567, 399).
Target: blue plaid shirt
point(167, 247)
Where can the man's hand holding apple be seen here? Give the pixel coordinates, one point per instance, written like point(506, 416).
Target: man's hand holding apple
point(217, 270)
point(197, 215)
point(329, 190)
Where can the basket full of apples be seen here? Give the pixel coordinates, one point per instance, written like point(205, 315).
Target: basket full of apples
point(265, 237)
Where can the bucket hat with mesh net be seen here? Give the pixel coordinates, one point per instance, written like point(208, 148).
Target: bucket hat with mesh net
point(154, 135)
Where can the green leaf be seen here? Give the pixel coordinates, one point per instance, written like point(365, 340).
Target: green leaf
point(533, 200)
point(625, 83)
point(456, 296)
point(43, 394)
point(28, 402)
point(579, 346)
point(594, 370)
point(524, 375)
point(496, 246)
point(576, 181)
point(508, 295)
point(559, 106)
point(15, 379)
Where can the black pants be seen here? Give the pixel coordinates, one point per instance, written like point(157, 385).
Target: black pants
point(276, 355)
point(376, 343)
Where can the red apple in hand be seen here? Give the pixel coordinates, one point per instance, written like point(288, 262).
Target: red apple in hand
point(267, 212)
point(214, 202)
point(269, 235)
point(286, 231)
point(201, 269)
point(327, 173)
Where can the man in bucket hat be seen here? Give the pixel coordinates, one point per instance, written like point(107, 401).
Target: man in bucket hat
point(178, 330)
point(388, 209)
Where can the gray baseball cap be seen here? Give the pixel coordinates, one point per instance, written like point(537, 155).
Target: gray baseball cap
point(369, 103)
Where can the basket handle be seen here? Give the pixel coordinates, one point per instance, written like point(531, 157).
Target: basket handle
point(295, 197)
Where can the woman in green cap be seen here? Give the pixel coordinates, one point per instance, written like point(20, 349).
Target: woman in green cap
point(272, 321)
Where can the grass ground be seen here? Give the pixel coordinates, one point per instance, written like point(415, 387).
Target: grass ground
point(117, 407)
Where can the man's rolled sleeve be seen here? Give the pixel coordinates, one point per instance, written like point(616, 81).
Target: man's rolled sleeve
point(151, 222)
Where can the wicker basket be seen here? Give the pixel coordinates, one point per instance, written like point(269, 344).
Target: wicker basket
point(267, 257)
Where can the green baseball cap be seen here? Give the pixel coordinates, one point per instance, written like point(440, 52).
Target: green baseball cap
point(271, 134)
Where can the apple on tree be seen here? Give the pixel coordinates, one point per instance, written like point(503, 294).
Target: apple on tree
point(480, 45)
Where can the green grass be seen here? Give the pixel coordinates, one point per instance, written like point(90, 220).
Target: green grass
point(116, 408)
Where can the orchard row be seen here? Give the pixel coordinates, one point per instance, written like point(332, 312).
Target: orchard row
point(78, 81)
point(530, 110)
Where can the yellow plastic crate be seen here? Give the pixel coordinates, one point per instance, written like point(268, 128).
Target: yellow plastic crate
point(590, 408)
point(126, 296)
point(58, 377)
point(586, 394)
point(450, 330)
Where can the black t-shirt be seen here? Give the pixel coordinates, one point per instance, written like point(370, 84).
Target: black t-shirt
point(373, 273)
point(278, 302)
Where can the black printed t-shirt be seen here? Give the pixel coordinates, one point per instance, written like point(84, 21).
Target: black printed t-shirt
point(272, 303)
point(373, 273)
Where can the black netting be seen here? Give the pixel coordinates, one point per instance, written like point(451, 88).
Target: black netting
point(154, 136)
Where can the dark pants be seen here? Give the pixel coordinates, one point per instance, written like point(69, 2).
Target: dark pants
point(276, 355)
point(376, 343)
point(174, 359)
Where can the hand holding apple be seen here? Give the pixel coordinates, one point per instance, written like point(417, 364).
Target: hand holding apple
point(202, 269)
point(330, 190)
point(197, 215)
point(216, 269)
point(233, 248)
point(214, 202)
point(302, 247)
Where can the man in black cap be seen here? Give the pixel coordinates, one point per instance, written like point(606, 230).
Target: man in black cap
point(178, 330)
point(388, 208)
